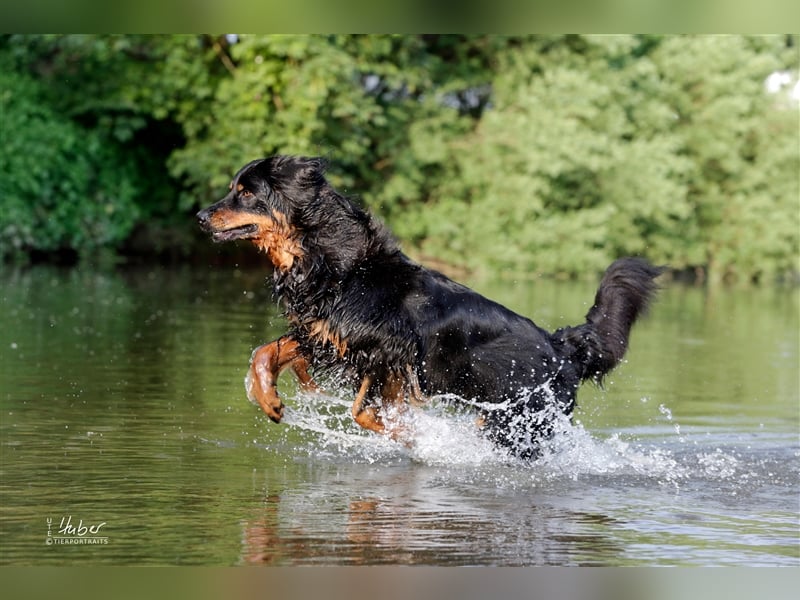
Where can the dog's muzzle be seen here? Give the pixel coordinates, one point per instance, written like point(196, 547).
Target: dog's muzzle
point(204, 219)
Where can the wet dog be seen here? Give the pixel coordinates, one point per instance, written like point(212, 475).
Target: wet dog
point(399, 332)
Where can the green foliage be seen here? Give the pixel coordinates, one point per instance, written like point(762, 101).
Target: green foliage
point(61, 186)
point(744, 152)
point(539, 154)
point(600, 147)
point(354, 99)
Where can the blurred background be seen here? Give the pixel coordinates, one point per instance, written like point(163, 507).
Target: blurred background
point(527, 155)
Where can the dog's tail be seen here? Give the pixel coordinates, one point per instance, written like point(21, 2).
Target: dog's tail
point(626, 290)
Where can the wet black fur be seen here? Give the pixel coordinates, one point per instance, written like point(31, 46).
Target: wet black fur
point(394, 312)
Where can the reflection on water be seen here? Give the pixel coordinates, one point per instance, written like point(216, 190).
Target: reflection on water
point(122, 402)
point(412, 514)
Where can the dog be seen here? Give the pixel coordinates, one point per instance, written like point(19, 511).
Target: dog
point(400, 333)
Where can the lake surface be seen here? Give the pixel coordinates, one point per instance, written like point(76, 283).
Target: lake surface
point(127, 439)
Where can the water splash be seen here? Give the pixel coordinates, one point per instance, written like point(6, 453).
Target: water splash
point(718, 464)
point(448, 436)
point(668, 414)
point(333, 432)
point(444, 434)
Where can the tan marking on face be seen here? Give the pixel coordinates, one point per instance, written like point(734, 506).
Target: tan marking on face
point(279, 240)
point(239, 187)
point(321, 330)
point(273, 234)
point(224, 219)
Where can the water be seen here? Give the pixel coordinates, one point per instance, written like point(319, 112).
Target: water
point(122, 408)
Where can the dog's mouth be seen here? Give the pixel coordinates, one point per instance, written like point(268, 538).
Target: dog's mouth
point(235, 233)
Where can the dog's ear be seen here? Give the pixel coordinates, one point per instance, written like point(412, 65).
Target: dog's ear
point(310, 171)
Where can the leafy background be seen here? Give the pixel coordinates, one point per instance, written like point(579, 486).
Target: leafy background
point(543, 154)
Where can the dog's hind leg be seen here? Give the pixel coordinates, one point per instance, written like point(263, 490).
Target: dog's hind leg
point(364, 415)
point(392, 396)
point(266, 364)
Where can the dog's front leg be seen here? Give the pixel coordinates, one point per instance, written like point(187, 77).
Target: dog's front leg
point(266, 364)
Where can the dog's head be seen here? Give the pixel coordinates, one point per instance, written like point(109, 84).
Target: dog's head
point(265, 204)
point(284, 205)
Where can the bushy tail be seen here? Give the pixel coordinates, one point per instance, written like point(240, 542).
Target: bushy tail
point(625, 291)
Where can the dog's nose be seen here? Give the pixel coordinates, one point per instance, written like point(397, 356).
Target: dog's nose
point(202, 218)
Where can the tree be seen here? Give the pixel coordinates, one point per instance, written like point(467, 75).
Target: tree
point(61, 186)
point(744, 153)
point(596, 147)
point(561, 175)
point(533, 154)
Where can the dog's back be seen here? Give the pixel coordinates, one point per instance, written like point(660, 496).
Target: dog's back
point(521, 375)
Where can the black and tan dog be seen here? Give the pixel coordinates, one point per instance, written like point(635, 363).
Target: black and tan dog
point(400, 332)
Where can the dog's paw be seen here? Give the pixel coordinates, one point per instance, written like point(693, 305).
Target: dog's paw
point(268, 399)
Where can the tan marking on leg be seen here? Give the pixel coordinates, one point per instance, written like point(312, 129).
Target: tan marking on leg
point(394, 393)
point(415, 395)
point(266, 364)
point(366, 416)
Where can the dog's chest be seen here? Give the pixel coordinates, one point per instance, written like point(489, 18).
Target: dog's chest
point(320, 332)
